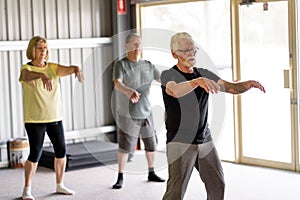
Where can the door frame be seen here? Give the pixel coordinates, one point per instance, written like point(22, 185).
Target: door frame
point(294, 165)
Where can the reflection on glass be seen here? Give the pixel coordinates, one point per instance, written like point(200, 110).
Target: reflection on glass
point(209, 23)
point(266, 118)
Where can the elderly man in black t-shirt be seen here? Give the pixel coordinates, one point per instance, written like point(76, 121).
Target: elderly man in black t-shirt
point(185, 92)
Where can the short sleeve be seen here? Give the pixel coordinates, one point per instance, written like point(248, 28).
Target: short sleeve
point(53, 67)
point(208, 74)
point(28, 67)
point(156, 73)
point(171, 75)
point(117, 71)
point(164, 78)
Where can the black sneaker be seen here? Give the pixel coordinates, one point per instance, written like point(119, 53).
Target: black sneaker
point(154, 178)
point(118, 184)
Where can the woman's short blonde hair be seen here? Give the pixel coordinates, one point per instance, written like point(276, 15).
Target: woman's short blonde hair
point(30, 52)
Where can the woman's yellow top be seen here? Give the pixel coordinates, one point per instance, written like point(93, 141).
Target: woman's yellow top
point(39, 104)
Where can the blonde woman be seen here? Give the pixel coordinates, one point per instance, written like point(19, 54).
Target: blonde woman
point(42, 109)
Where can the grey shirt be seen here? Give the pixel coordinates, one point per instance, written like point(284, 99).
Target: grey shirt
point(138, 76)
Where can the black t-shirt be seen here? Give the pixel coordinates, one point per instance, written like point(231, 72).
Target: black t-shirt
point(186, 117)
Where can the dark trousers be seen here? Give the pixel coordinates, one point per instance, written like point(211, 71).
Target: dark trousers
point(36, 134)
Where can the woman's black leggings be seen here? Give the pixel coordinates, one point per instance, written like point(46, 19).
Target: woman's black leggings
point(36, 135)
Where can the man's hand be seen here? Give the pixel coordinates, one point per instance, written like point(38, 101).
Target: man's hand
point(208, 85)
point(135, 96)
point(256, 84)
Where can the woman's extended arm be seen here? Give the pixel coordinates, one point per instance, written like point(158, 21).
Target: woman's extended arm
point(68, 70)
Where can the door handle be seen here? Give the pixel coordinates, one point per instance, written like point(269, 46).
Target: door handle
point(286, 78)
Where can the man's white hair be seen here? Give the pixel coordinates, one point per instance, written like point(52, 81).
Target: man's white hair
point(177, 37)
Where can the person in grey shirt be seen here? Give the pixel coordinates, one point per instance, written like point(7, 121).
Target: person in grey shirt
point(132, 77)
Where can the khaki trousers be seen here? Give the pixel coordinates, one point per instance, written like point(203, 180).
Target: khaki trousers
point(181, 161)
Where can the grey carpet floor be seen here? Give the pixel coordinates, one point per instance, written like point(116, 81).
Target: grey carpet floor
point(242, 183)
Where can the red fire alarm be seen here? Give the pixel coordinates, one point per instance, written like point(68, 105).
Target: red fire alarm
point(121, 7)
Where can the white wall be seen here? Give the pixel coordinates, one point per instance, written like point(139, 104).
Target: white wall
point(74, 32)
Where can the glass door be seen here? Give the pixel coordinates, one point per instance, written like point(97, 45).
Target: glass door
point(258, 40)
point(266, 130)
point(208, 22)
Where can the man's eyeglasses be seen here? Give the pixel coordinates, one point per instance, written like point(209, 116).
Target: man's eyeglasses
point(187, 51)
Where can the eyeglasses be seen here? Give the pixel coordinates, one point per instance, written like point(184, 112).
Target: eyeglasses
point(187, 51)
